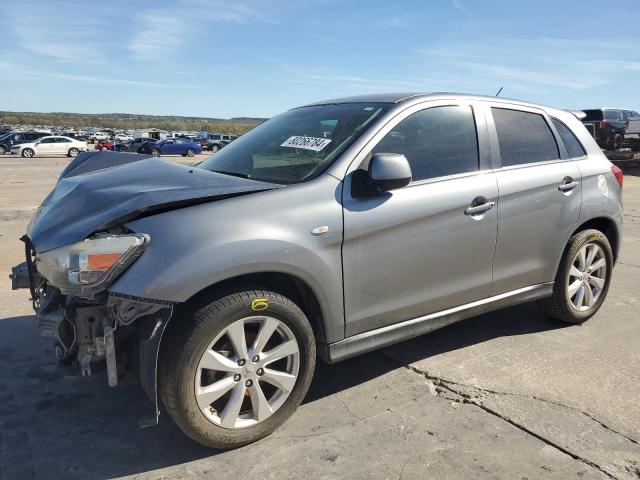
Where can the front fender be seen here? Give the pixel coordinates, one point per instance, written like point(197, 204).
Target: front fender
point(196, 247)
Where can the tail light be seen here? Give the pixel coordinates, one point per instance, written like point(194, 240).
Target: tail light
point(604, 124)
point(617, 172)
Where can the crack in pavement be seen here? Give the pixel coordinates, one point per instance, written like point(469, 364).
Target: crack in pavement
point(629, 264)
point(466, 398)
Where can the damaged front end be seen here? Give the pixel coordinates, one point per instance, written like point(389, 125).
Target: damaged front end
point(88, 324)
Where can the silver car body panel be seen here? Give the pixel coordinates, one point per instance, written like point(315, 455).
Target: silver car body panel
point(382, 259)
point(196, 247)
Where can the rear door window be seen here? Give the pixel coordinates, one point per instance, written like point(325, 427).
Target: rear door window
point(524, 137)
point(571, 142)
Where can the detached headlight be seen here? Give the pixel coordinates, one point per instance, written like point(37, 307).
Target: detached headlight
point(90, 266)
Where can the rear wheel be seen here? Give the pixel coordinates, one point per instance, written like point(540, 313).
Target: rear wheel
point(237, 368)
point(123, 149)
point(583, 278)
point(104, 149)
point(616, 142)
point(3, 149)
point(214, 148)
point(28, 153)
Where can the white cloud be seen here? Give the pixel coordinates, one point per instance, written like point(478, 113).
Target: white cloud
point(165, 32)
point(324, 38)
point(529, 64)
point(457, 4)
point(66, 35)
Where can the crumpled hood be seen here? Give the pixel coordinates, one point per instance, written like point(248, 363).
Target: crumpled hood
point(99, 190)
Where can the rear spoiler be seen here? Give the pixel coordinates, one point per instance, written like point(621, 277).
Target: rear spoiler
point(579, 114)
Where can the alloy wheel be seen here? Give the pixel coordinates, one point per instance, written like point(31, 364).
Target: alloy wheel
point(587, 277)
point(247, 372)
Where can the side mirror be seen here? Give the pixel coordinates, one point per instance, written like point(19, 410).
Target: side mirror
point(388, 171)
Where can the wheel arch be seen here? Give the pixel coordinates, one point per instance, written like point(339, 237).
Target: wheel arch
point(287, 284)
point(284, 283)
point(607, 226)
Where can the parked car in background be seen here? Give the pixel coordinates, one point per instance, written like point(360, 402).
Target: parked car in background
point(8, 140)
point(607, 126)
point(216, 141)
point(47, 146)
point(122, 137)
point(223, 282)
point(104, 145)
point(632, 130)
point(133, 145)
point(98, 136)
point(172, 146)
point(78, 136)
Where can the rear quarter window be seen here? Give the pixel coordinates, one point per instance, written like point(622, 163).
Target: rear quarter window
point(524, 137)
point(571, 142)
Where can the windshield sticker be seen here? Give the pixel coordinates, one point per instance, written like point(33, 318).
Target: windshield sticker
point(306, 143)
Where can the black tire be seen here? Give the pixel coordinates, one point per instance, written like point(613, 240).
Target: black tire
point(3, 149)
point(191, 152)
point(616, 142)
point(559, 305)
point(155, 152)
point(123, 149)
point(184, 344)
point(28, 153)
point(214, 148)
point(104, 149)
point(73, 152)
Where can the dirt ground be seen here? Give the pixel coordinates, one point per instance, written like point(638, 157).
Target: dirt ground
point(509, 394)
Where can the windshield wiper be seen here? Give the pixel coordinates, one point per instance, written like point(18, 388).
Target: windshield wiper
point(232, 174)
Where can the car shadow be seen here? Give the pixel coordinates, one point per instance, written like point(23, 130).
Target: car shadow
point(55, 424)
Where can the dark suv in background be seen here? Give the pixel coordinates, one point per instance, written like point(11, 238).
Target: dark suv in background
point(8, 140)
point(608, 125)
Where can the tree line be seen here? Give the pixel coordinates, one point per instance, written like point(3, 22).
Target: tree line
point(131, 121)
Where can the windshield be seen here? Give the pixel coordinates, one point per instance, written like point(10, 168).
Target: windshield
point(297, 145)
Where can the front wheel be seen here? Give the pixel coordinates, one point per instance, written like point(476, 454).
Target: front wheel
point(28, 153)
point(236, 369)
point(73, 152)
point(191, 152)
point(214, 148)
point(3, 150)
point(155, 152)
point(583, 278)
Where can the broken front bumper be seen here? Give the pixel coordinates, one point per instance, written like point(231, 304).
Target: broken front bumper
point(124, 331)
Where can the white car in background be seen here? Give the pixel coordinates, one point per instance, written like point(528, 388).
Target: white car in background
point(99, 136)
point(48, 146)
point(122, 137)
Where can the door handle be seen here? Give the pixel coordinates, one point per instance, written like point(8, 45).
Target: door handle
point(567, 184)
point(479, 205)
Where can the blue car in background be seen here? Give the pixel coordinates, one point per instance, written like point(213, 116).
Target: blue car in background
point(172, 146)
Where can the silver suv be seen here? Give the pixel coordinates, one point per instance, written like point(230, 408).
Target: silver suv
point(330, 230)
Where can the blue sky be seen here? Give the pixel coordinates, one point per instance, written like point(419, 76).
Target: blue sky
point(256, 58)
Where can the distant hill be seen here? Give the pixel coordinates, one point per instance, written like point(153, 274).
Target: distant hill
point(132, 121)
